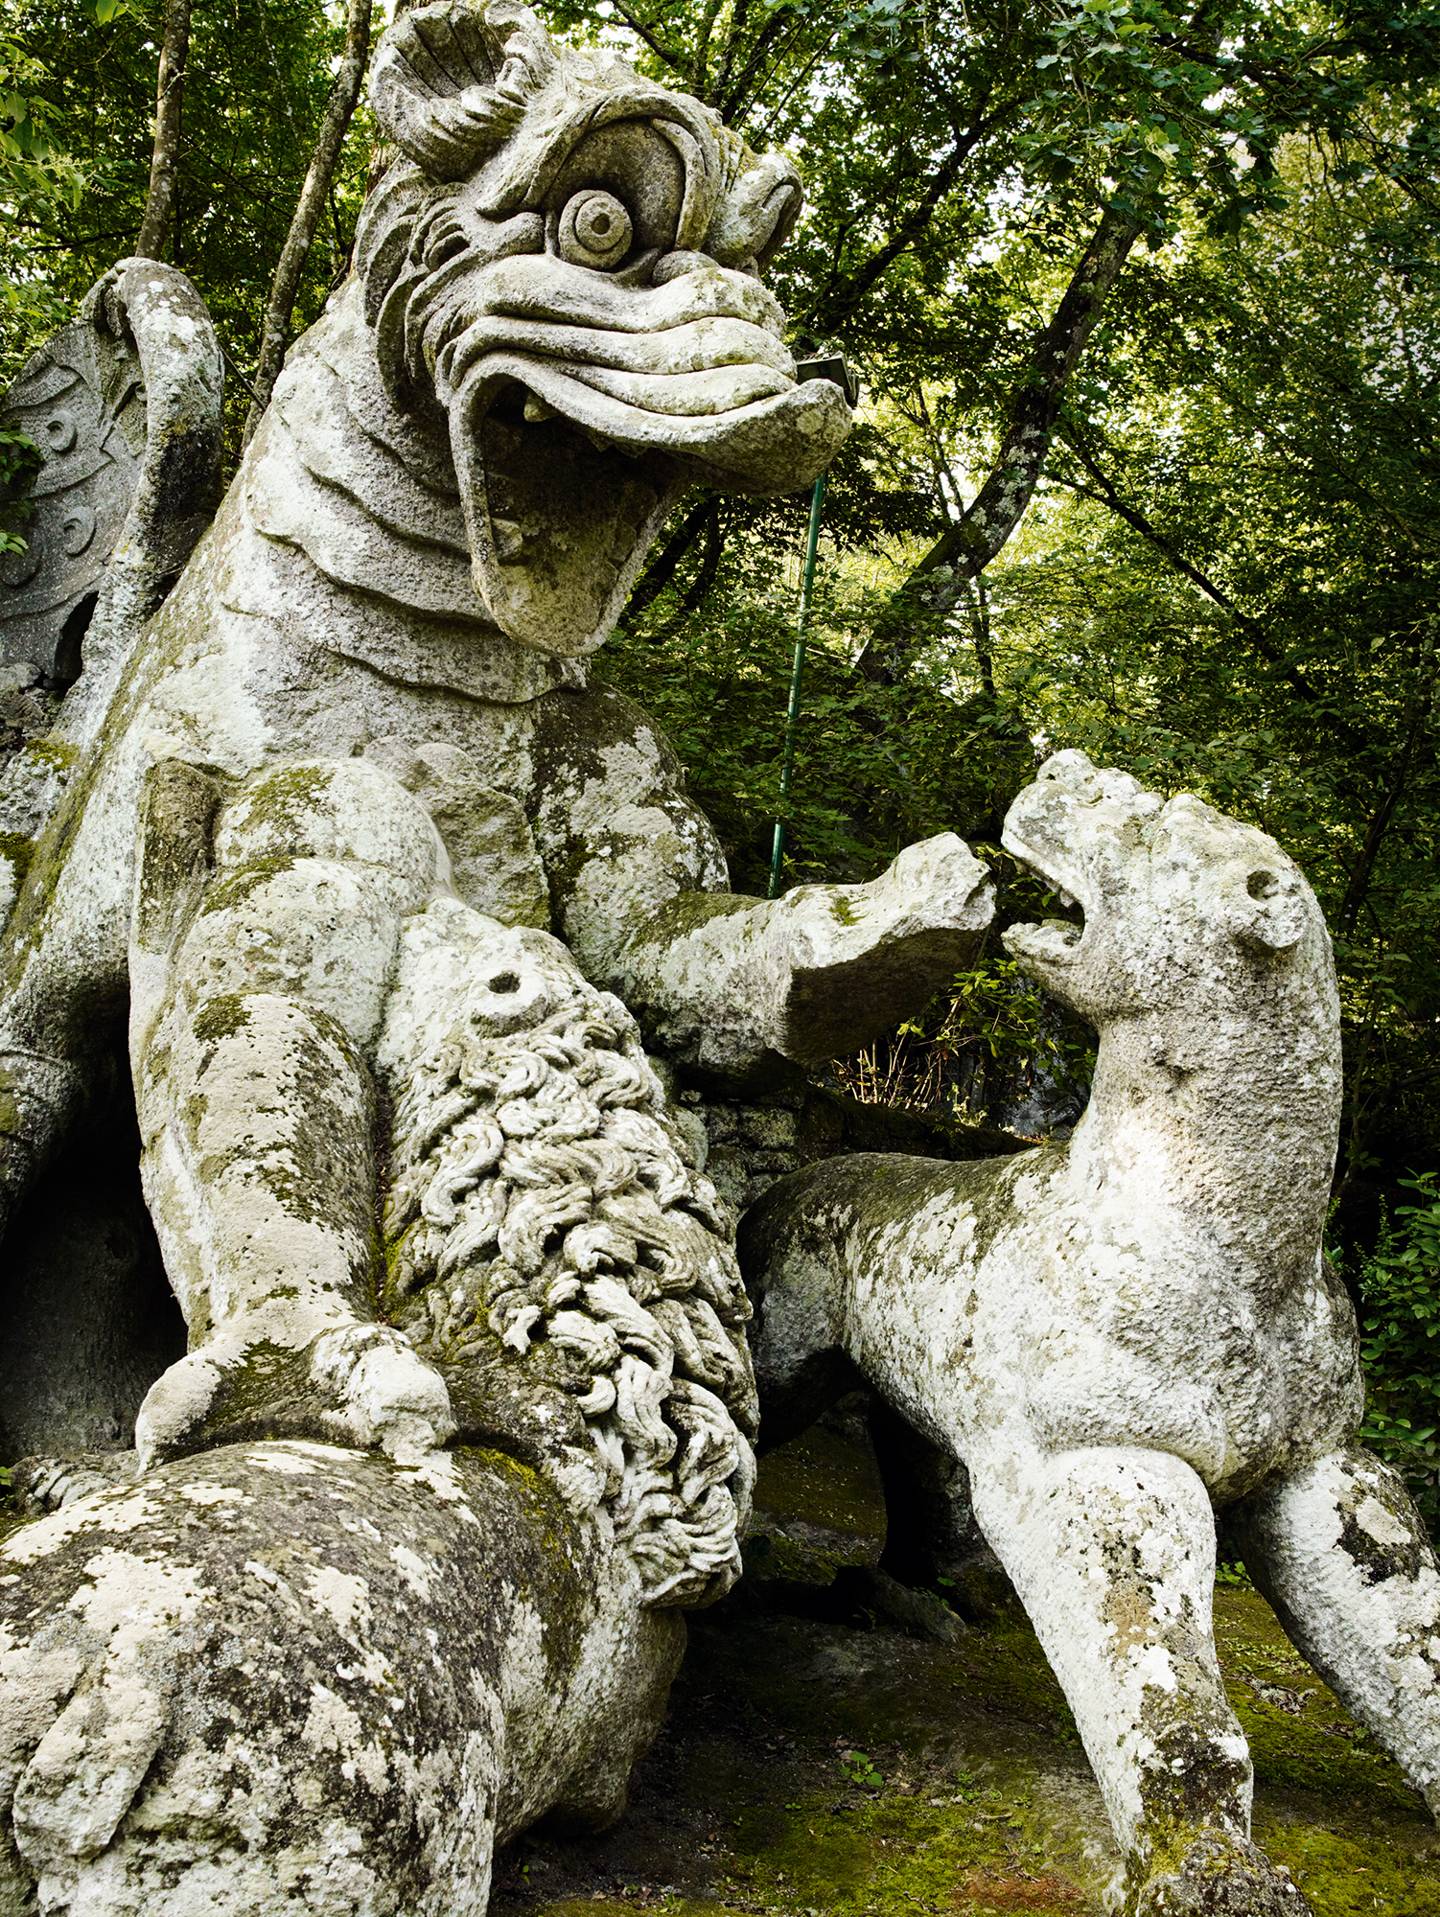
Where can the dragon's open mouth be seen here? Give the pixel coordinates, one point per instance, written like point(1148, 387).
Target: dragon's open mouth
point(579, 408)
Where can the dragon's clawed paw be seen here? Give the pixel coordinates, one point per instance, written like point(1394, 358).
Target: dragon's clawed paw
point(354, 1383)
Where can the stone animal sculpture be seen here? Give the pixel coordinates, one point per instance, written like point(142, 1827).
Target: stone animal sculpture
point(461, 472)
point(465, 1413)
point(1114, 1335)
point(292, 1676)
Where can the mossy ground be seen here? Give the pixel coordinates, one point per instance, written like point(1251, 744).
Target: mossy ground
point(817, 1763)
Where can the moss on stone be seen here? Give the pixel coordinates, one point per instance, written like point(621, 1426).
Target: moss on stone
point(57, 755)
point(237, 886)
point(985, 1803)
point(19, 850)
point(283, 800)
point(561, 1592)
point(221, 1017)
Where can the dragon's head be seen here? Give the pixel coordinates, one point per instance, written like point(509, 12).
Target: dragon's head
point(566, 262)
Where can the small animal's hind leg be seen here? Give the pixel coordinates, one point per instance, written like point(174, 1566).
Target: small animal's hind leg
point(1341, 1552)
point(260, 1173)
point(930, 1531)
point(1112, 1552)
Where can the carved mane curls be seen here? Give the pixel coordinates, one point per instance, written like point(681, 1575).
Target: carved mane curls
point(547, 1218)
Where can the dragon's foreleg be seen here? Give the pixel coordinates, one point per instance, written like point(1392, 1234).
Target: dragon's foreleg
point(266, 929)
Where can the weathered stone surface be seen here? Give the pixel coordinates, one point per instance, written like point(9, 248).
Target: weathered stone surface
point(414, 1181)
point(1115, 1334)
point(124, 410)
point(88, 431)
point(816, 1758)
point(290, 1677)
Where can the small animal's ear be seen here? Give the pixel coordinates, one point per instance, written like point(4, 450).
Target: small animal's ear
point(452, 82)
point(1265, 908)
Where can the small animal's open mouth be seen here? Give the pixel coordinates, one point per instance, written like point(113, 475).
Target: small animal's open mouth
point(1050, 941)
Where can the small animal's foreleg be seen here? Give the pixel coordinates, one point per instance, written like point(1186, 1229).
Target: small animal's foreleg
point(1341, 1552)
point(1113, 1554)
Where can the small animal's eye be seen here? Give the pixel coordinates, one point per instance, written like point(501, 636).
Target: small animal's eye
point(595, 230)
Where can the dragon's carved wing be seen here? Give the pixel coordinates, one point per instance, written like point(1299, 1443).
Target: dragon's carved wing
point(123, 408)
point(89, 441)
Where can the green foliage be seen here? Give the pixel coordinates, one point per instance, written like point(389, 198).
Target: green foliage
point(18, 459)
point(39, 182)
point(258, 76)
point(877, 765)
point(859, 1768)
point(1399, 1288)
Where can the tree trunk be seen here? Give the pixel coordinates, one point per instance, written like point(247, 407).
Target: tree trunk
point(969, 545)
point(169, 94)
point(339, 109)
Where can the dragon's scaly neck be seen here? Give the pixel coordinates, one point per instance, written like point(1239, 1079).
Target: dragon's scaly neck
point(368, 495)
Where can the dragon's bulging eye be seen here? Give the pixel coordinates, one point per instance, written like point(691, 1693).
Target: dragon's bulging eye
point(595, 229)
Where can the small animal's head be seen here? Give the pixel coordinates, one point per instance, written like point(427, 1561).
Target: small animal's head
point(1181, 905)
point(566, 263)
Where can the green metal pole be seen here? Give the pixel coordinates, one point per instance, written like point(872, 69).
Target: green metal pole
point(797, 670)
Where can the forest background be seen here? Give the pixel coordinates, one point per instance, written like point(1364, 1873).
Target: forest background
point(1145, 302)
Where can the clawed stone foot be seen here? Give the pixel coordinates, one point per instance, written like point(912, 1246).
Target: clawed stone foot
point(1219, 1876)
point(355, 1383)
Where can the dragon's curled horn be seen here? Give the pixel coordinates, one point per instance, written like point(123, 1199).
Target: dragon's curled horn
point(452, 81)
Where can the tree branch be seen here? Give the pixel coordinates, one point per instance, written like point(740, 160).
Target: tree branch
point(663, 567)
point(1255, 630)
point(839, 299)
point(969, 545)
point(334, 124)
point(169, 97)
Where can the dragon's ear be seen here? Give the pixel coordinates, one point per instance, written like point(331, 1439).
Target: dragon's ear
point(452, 82)
point(1265, 908)
point(754, 219)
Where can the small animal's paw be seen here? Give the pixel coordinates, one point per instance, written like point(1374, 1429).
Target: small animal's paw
point(384, 1392)
point(1220, 1876)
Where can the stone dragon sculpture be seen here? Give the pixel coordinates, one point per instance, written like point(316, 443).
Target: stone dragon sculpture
point(1114, 1335)
point(465, 1413)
